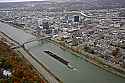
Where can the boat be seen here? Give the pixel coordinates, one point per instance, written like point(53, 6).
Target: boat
point(59, 59)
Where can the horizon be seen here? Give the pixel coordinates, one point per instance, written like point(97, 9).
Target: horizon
point(5, 1)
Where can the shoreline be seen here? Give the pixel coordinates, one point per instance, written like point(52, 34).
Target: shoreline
point(92, 59)
point(17, 60)
point(97, 61)
point(43, 67)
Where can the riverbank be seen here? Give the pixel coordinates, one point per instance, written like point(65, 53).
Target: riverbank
point(91, 58)
point(19, 68)
point(44, 72)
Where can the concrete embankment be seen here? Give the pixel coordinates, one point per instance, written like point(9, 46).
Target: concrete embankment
point(92, 59)
point(40, 67)
point(21, 69)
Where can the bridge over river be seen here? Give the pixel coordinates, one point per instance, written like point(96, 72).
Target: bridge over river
point(85, 73)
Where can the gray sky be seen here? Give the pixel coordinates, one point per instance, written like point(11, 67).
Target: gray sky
point(18, 0)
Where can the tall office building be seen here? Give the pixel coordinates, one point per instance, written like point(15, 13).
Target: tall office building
point(76, 18)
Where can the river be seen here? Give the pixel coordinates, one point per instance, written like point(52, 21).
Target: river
point(85, 72)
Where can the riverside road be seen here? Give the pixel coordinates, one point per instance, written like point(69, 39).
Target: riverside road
point(85, 72)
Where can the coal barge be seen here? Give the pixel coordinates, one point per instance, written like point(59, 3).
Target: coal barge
point(59, 59)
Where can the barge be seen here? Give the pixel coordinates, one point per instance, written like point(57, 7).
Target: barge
point(59, 59)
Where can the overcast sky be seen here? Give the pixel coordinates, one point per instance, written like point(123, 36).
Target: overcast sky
point(18, 0)
point(40, 0)
point(34, 0)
